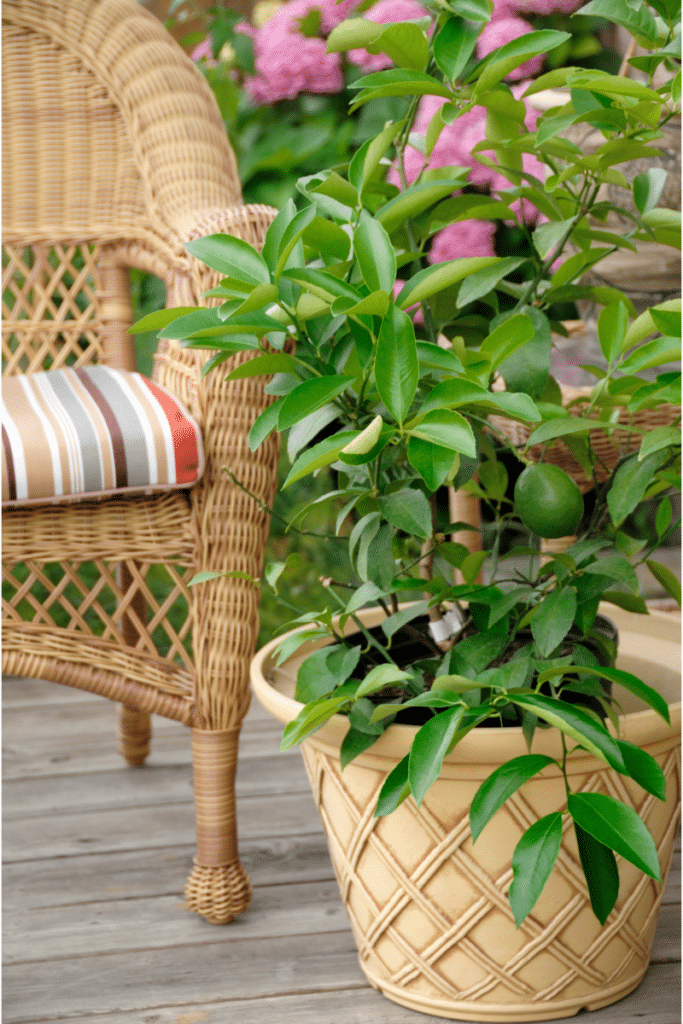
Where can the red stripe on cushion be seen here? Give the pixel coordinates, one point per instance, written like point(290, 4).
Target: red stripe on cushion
point(184, 436)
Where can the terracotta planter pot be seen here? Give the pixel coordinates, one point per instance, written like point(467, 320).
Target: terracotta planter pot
point(429, 911)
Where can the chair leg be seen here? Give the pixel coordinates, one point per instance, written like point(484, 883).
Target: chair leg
point(218, 887)
point(134, 730)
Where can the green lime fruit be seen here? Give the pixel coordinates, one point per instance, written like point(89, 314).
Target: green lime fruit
point(548, 501)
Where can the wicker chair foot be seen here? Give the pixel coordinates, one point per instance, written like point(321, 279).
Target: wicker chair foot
point(134, 732)
point(218, 893)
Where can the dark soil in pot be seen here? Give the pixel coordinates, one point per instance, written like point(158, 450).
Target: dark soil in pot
point(413, 645)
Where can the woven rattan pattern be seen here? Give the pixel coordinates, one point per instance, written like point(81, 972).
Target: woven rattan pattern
point(114, 155)
point(439, 930)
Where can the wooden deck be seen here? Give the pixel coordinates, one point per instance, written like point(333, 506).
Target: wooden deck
point(96, 856)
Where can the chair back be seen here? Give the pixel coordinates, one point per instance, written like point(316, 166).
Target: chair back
point(112, 149)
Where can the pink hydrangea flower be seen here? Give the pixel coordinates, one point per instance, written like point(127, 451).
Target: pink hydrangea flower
point(467, 238)
point(287, 18)
point(203, 51)
point(292, 64)
point(504, 30)
point(383, 13)
point(454, 145)
point(414, 312)
point(536, 6)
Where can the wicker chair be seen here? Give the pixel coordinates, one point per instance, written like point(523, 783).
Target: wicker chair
point(114, 155)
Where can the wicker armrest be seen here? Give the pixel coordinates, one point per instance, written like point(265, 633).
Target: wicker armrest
point(231, 527)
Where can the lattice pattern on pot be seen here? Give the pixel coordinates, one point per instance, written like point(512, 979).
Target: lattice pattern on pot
point(50, 307)
point(441, 928)
point(87, 598)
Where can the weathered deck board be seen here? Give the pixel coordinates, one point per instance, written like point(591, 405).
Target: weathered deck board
point(96, 857)
point(364, 1006)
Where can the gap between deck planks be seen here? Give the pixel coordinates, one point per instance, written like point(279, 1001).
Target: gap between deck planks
point(96, 856)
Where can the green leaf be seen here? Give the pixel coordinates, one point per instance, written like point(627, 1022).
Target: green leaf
point(653, 353)
point(446, 428)
point(396, 366)
point(366, 161)
point(561, 426)
point(639, 19)
point(375, 254)
point(381, 676)
point(508, 57)
point(405, 82)
point(440, 276)
point(532, 863)
point(500, 785)
point(663, 516)
point(276, 229)
point(622, 678)
point(629, 485)
point(630, 602)
point(666, 578)
point(355, 742)
point(527, 368)
point(310, 718)
point(602, 875)
point(394, 790)
point(575, 723)
point(618, 827)
point(415, 200)
point(408, 510)
point(337, 188)
point(309, 396)
point(612, 324)
point(323, 284)
point(454, 45)
point(161, 318)
point(293, 641)
point(648, 188)
point(644, 769)
point(506, 337)
point(553, 619)
point(430, 746)
point(657, 439)
point(547, 237)
point(264, 425)
point(365, 594)
point(353, 34)
point(273, 362)
point(324, 236)
point(291, 236)
point(230, 256)
point(397, 621)
point(475, 10)
point(471, 566)
point(481, 282)
point(616, 568)
point(380, 565)
point(189, 323)
point(323, 671)
point(668, 321)
point(432, 461)
point(321, 454)
point(405, 43)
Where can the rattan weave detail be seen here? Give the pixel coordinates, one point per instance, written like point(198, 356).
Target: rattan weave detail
point(115, 155)
point(436, 930)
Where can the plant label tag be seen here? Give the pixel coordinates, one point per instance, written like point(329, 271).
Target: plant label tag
point(446, 627)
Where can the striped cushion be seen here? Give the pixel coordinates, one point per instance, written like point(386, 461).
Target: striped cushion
point(92, 432)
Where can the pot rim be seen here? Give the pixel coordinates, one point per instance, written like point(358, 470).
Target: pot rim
point(485, 745)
